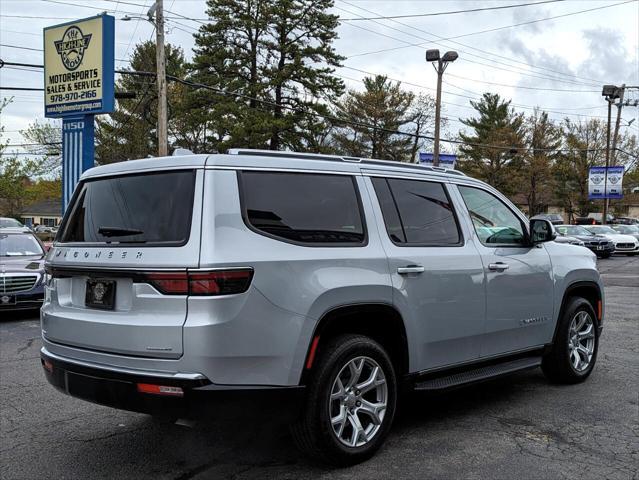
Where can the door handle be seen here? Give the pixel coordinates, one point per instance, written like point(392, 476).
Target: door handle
point(410, 269)
point(498, 267)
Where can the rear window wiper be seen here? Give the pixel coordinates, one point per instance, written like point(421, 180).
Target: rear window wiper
point(118, 231)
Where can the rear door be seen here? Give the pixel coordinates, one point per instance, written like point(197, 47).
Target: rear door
point(436, 273)
point(116, 266)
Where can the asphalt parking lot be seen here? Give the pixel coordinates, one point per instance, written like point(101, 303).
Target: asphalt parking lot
point(517, 427)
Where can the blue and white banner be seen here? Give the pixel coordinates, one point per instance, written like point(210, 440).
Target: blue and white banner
point(614, 181)
point(597, 183)
point(605, 183)
point(77, 152)
point(446, 160)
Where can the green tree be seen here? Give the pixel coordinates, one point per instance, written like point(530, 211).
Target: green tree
point(131, 130)
point(370, 120)
point(535, 173)
point(490, 152)
point(423, 123)
point(267, 64)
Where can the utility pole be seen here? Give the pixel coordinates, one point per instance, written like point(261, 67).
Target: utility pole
point(617, 124)
point(163, 141)
point(604, 217)
point(440, 64)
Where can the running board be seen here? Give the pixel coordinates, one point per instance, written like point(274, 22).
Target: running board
point(478, 374)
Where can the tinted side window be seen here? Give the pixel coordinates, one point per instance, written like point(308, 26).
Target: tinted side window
point(423, 211)
point(494, 222)
point(303, 208)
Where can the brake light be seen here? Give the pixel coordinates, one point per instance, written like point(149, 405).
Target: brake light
point(218, 282)
point(160, 390)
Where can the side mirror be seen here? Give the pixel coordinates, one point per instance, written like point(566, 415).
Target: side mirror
point(542, 231)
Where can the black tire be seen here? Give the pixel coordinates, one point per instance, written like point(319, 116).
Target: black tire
point(557, 365)
point(313, 432)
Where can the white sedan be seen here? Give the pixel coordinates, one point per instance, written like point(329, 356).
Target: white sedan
point(623, 243)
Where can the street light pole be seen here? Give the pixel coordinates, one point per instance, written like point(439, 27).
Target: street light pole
point(438, 110)
point(163, 142)
point(439, 64)
point(617, 124)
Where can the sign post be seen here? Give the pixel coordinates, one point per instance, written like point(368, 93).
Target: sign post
point(78, 83)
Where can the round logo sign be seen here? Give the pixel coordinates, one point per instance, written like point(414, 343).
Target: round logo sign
point(72, 47)
point(98, 292)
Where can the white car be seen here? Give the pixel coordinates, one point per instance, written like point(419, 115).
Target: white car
point(623, 243)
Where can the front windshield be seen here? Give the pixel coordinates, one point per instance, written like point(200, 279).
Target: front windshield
point(602, 230)
point(16, 245)
point(9, 222)
point(572, 230)
point(631, 229)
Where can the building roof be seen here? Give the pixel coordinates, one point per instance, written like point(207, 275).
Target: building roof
point(44, 208)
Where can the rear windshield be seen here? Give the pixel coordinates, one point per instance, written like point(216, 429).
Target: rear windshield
point(150, 208)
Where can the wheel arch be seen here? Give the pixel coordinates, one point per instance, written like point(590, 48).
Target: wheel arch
point(588, 290)
point(380, 321)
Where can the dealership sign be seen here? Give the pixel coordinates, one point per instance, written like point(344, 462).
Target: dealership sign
point(78, 84)
point(78, 67)
point(605, 182)
point(446, 160)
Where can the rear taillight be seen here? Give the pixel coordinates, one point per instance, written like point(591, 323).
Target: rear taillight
point(218, 282)
point(160, 390)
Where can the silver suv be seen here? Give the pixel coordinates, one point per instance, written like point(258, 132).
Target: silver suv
point(339, 279)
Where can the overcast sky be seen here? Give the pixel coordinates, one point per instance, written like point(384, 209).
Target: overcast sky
point(558, 64)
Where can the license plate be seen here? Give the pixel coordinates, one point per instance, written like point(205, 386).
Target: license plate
point(600, 247)
point(7, 299)
point(100, 293)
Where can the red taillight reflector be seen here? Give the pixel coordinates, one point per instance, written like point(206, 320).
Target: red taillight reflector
point(48, 366)
point(160, 390)
point(218, 282)
point(170, 283)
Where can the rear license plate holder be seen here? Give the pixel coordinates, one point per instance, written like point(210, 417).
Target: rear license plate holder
point(100, 293)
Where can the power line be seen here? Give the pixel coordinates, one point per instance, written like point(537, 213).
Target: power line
point(451, 12)
point(492, 54)
point(500, 28)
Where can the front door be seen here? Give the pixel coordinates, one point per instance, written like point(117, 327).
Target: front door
point(519, 284)
point(437, 276)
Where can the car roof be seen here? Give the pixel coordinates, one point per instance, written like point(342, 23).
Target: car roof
point(15, 230)
point(250, 158)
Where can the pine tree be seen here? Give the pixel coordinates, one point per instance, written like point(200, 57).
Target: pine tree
point(490, 152)
point(131, 130)
point(274, 61)
point(371, 118)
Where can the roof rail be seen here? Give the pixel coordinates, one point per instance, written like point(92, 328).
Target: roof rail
point(338, 158)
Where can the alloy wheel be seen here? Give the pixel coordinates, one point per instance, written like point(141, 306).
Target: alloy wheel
point(581, 340)
point(358, 401)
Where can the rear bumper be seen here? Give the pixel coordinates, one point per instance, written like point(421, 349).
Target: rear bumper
point(118, 388)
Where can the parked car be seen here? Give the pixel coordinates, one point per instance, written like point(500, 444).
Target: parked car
point(632, 230)
point(570, 240)
point(623, 243)
point(340, 280)
point(6, 222)
point(585, 221)
point(626, 221)
point(22, 274)
point(43, 229)
point(553, 218)
point(600, 245)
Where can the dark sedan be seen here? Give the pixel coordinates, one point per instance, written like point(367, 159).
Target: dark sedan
point(22, 274)
point(601, 245)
